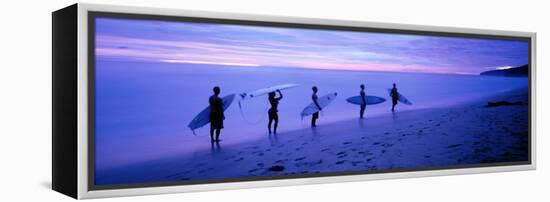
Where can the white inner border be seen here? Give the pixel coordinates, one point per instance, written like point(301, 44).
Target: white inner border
point(84, 193)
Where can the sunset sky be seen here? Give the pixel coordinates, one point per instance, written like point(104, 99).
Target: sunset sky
point(257, 47)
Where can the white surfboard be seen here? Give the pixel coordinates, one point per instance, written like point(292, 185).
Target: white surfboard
point(203, 117)
point(267, 90)
point(322, 101)
point(401, 98)
point(370, 100)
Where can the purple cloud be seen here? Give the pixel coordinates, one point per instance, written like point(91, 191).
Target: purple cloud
point(256, 46)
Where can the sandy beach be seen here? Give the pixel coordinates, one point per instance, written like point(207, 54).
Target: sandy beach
point(467, 133)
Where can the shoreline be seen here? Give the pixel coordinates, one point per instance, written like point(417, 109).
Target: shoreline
point(465, 133)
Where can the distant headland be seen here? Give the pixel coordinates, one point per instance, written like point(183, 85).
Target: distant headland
point(521, 71)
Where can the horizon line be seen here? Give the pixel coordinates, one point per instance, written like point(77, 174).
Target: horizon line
point(251, 65)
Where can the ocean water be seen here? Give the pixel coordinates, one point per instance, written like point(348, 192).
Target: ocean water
point(142, 108)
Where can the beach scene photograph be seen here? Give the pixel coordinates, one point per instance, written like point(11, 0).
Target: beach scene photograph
point(198, 102)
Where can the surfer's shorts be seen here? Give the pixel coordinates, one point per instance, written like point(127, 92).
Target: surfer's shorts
point(216, 121)
point(273, 114)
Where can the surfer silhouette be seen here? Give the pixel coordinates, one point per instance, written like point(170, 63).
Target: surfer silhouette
point(364, 101)
point(394, 97)
point(315, 115)
point(272, 113)
point(216, 114)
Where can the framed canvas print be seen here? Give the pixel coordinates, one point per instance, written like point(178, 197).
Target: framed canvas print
point(150, 101)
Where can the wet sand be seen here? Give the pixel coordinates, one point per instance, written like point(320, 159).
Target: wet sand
point(469, 133)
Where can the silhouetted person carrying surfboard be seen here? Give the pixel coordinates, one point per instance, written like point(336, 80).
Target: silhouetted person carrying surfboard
point(216, 114)
point(394, 97)
point(315, 115)
point(364, 99)
point(272, 113)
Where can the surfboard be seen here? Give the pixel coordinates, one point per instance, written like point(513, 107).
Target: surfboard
point(267, 90)
point(258, 93)
point(401, 98)
point(203, 117)
point(322, 101)
point(370, 100)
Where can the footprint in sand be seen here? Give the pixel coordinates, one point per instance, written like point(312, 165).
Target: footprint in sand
point(309, 164)
point(454, 145)
point(299, 159)
point(340, 162)
point(346, 143)
point(367, 153)
point(253, 170)
point(281, 161)
point(276, 168)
